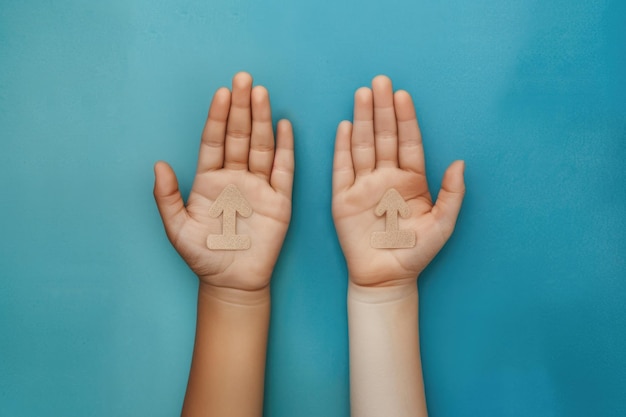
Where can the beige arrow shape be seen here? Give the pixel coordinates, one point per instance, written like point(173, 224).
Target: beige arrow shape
point(391, 204)
point(228, 204)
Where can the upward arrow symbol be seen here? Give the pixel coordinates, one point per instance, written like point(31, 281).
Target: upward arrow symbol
point(228, 204)
point(392, 203)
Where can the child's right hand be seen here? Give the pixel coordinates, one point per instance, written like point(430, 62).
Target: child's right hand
point(237, 148)
point(383, 150)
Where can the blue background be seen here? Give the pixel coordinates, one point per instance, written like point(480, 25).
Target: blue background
point(523, 312)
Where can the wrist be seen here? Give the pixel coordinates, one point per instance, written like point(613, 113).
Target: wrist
point(235, 296)
point(381, 276)
point(381, 294)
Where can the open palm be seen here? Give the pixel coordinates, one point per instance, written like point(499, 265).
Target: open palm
point(237, 148)
point(381, 150)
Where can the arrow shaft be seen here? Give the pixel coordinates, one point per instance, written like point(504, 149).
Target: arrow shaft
point(391, 224)
point(229, 221)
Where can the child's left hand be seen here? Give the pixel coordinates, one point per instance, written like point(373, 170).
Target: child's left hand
point(381, 150)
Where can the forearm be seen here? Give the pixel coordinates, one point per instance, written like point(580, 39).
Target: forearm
point(228, 365)
point(385, 366)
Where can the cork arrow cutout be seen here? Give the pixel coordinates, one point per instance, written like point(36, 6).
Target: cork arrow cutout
point(392, 203)
point(228, 204)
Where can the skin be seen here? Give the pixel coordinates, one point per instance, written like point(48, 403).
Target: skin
point(383, 149)
point(237, 147)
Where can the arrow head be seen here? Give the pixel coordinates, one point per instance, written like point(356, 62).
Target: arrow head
point(230, 198)
point(392, 201)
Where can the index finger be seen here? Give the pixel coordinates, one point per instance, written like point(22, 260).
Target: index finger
point(411, 149)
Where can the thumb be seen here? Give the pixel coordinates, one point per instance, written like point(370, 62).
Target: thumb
point(448, 205)
point(168, 199)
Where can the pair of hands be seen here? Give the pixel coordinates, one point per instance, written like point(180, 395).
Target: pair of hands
point(381, 149)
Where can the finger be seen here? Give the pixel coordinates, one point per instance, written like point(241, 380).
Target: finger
point(261, 155)
point(362, 143)
point(168, 199)
point(239, 125)
point(448, 205)
point(282, 171)
point(343, 171)
point(211, 155)
point(385, 127)
point(410, 149)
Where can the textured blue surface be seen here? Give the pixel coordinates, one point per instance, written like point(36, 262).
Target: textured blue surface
point(522, 314)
